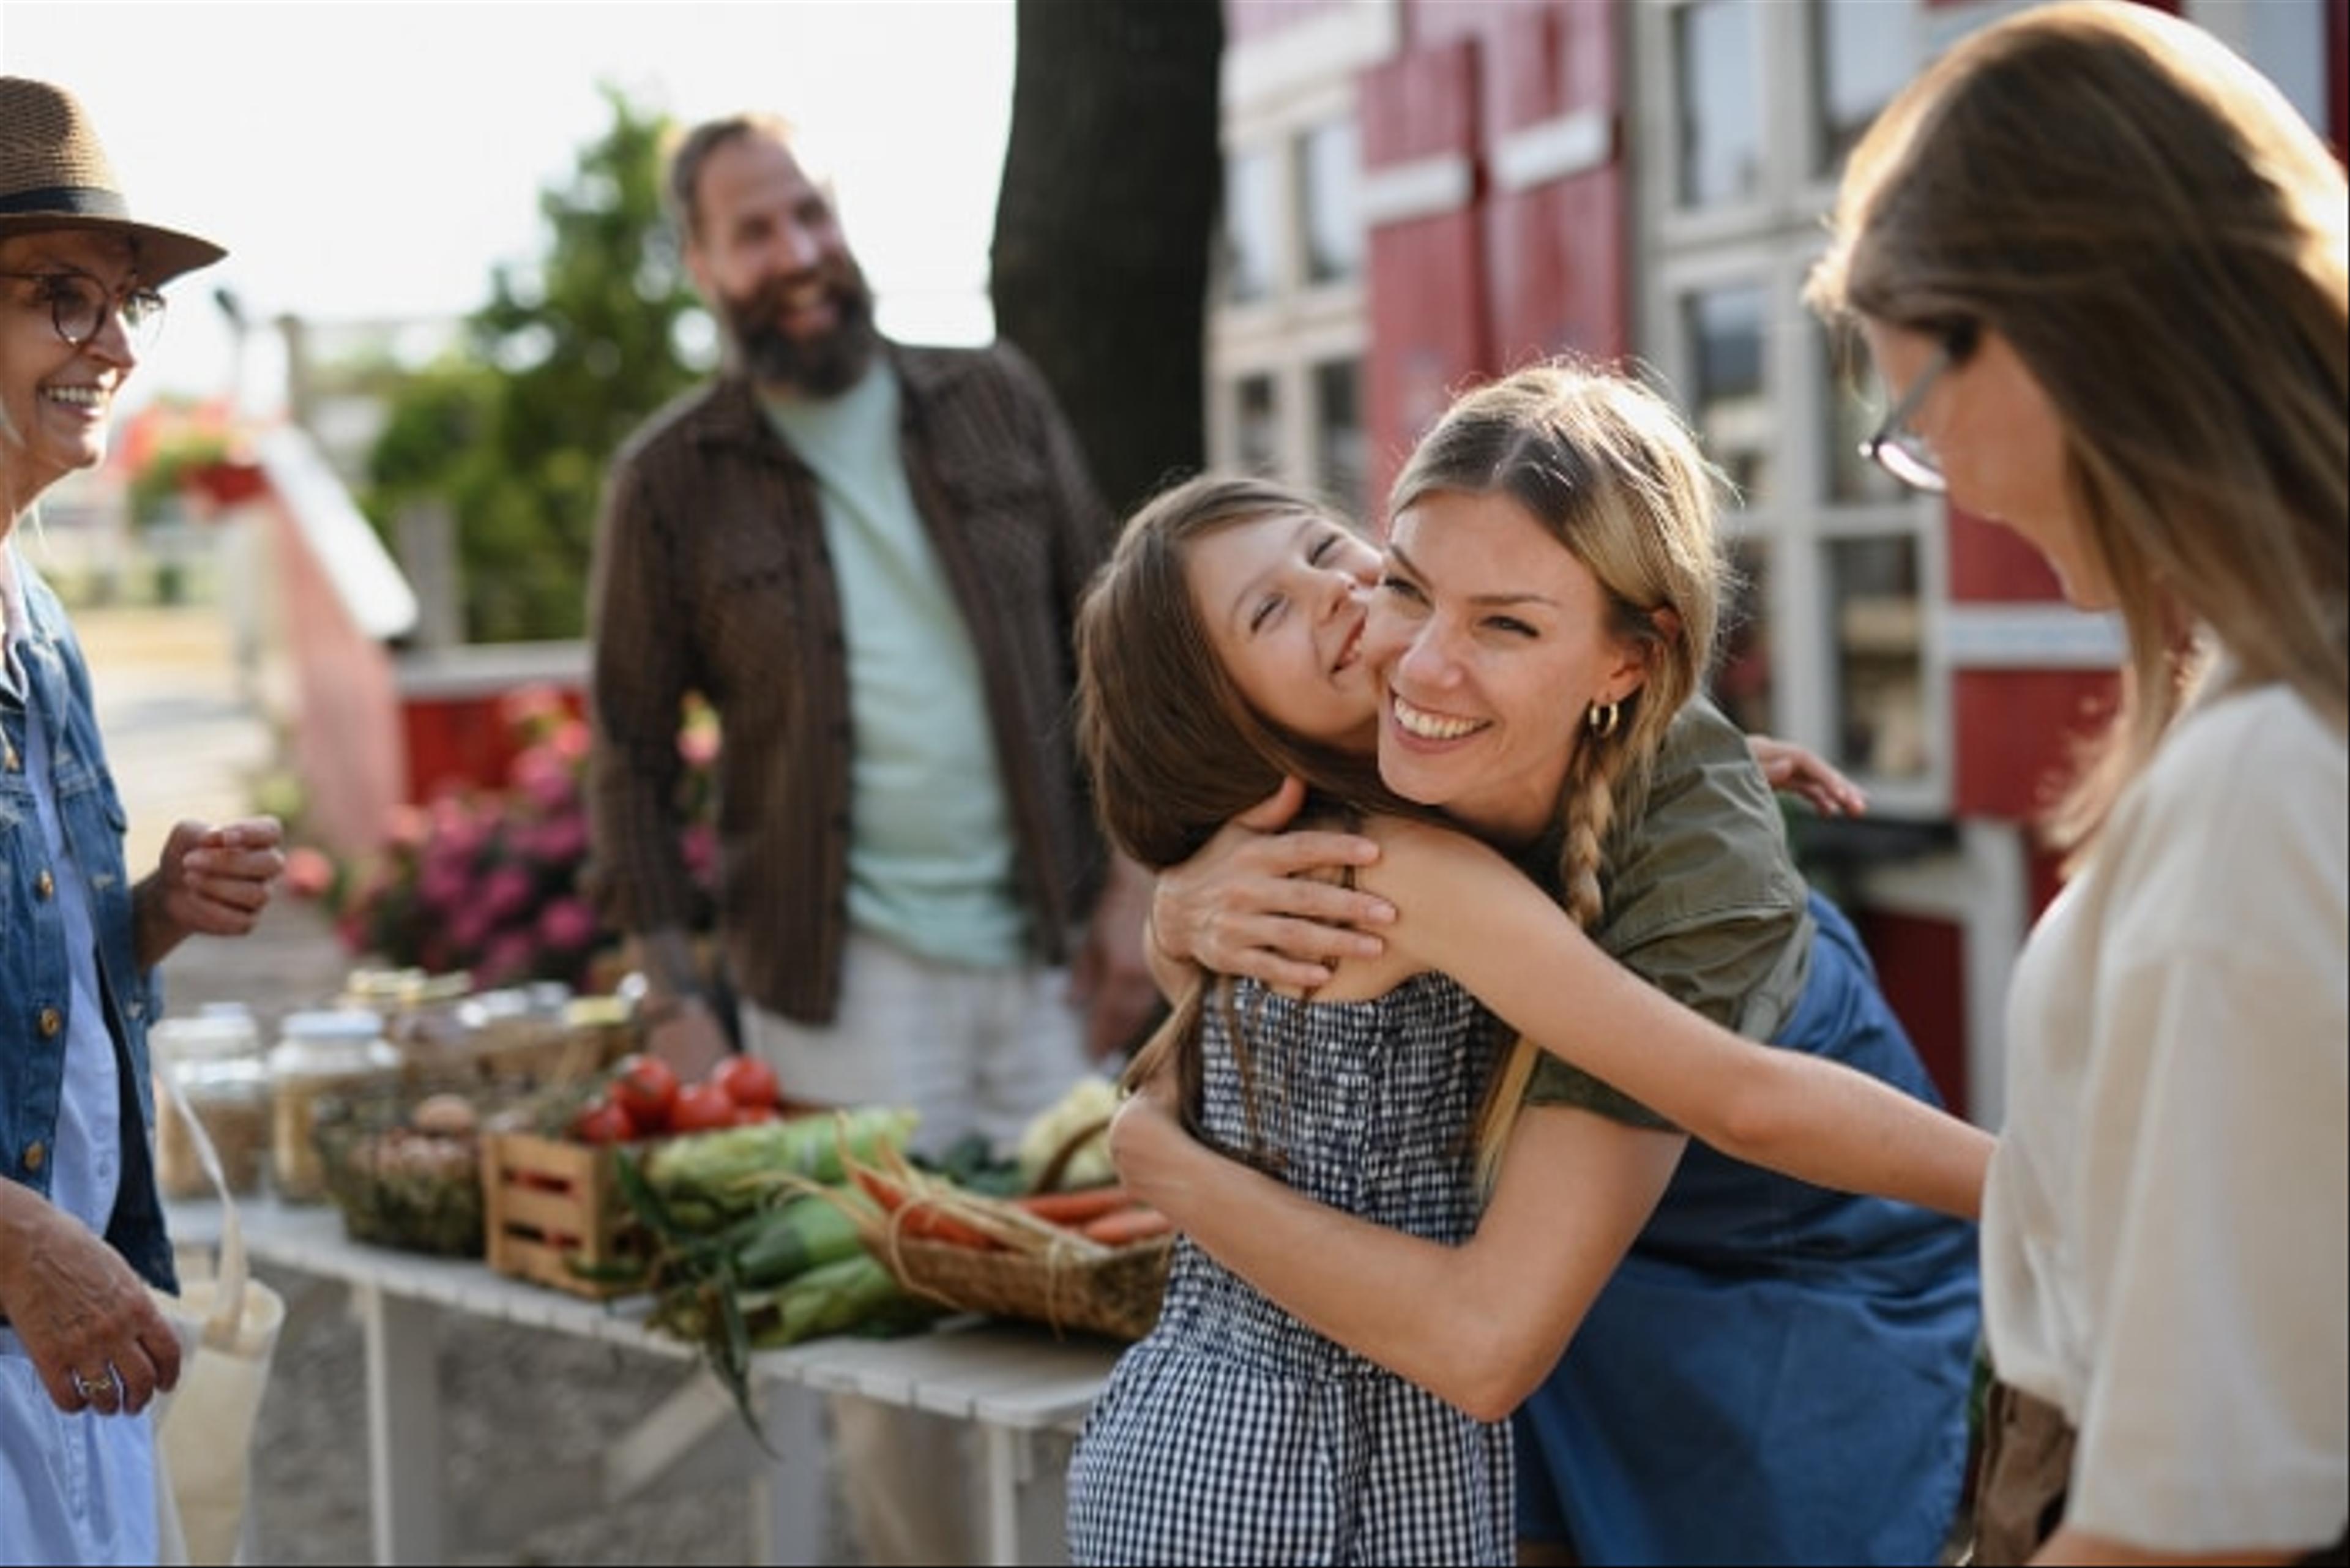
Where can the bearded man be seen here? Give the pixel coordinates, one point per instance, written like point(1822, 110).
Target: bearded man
point(867, 557)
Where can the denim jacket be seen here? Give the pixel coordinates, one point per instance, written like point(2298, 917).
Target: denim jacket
point(34, 964)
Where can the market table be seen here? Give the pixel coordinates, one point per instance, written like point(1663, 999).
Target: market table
point(1020, 1388)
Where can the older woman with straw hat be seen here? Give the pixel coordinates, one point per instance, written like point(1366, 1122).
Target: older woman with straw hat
point(83, 1348)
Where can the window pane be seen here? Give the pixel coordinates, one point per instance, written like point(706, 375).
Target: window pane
point(1338, 436)
point(1880, 674)
point(1862, 51)
point(1717, 86)
point(1853, 404)
point(1741, 681)
point(1248, 228)
point(1258, 426)
point(2286, 40)
point(1332, 225)
point(1724, 331)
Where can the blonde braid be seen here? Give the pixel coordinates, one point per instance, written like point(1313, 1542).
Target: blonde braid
point(1590, 810)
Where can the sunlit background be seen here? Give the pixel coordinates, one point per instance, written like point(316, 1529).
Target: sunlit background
point(369, 163)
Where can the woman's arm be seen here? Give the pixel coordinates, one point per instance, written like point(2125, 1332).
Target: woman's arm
point(1468, 913)
point(1479, 1325)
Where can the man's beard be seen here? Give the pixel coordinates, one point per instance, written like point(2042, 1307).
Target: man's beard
point(822, 366)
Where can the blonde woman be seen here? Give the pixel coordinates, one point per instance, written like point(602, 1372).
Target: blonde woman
point(1761, 1369)
point(2100, 265)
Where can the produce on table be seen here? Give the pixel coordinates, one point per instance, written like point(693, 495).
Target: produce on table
point(1080, 1116)
point(744, 1258)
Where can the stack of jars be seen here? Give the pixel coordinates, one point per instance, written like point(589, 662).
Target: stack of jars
point(213, 1061)
point(331, 1051)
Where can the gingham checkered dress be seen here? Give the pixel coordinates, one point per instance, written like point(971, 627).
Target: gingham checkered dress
point(1235, 1434)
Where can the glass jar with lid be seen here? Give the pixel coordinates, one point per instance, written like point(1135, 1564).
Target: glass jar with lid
point(324, 1052)
point(213, 1060)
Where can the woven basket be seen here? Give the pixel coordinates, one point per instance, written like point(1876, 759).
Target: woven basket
point(1116, 1294)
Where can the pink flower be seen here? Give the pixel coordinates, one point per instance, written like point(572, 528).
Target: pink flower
point(528, 709)
point(407, 827)
point(699, 845)
point(568, 925)
point(698, 744)
point(506, 892)
point(571, 740)
point(310, 873)
point(559, 841)
point(509, 957)
point(544, 778)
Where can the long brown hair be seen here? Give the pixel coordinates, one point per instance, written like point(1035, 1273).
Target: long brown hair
point(1613, 472)
point(1174, 748)
point(2161, 236)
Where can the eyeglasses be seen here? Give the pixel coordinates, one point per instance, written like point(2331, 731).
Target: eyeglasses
point(79, 306)
point(1902, 452)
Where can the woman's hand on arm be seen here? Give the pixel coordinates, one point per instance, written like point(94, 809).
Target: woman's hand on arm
point(1479, 1325)
point(209, 882)
point(1240, 906)
point(79, 1307)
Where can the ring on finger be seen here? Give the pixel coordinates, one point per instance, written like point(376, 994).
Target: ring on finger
point(88, 1387)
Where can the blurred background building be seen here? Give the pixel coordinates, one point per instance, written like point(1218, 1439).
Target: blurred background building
point(1420, 192)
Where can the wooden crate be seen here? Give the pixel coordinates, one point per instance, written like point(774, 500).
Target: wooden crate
point(547, 1204)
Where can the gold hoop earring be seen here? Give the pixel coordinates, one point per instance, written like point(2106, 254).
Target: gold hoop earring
point(1602, 719)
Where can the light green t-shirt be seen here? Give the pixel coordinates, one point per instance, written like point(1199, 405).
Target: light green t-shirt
point(931, 843)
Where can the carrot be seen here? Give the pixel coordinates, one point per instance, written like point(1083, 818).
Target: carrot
point(1136, 1222)
point(1074, 1209)
point(918, 1216)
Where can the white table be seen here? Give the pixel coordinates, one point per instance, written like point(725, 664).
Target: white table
point(1023, 1390)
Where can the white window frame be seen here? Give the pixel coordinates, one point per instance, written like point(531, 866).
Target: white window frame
point(1298, 327)
point(1772, 241)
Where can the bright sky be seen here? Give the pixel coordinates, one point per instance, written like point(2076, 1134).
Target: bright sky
point(364, 161)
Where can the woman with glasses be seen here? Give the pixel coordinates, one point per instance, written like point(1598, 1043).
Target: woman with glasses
point(2104, 263)
point(82, 1347)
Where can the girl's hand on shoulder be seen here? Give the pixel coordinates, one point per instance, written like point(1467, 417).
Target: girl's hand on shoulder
point(1249, 902)
point(1801, 772)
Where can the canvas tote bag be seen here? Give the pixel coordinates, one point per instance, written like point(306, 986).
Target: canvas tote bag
point(228, 1327)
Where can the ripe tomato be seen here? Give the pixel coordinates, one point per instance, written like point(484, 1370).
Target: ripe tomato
point(751, 1116)
point(747, 1080)
point(646, 1087)
point(603, 1120)
point(701, 1107)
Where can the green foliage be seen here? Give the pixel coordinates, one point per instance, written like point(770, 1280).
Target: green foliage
point(156, 487)
point(568, 356)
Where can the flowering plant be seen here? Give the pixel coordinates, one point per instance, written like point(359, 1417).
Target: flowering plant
point(491, 882)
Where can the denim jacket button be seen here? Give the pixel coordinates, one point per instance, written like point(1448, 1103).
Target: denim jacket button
point(45, 885)
point(35, 1152)
point(50, 1022)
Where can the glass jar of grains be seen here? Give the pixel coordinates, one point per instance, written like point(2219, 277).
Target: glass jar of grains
point(331, 1051)
point(214, 1063)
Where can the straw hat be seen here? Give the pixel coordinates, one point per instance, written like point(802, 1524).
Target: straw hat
point(55, 175)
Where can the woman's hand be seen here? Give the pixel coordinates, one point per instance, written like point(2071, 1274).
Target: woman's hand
point(84, 1317)
point(1240, 906)
point(210, 881)
point(1804, 773)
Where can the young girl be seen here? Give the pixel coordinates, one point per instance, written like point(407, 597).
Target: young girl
point(1189, 715)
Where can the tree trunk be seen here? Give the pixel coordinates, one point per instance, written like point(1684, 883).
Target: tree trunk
point(1104, 224)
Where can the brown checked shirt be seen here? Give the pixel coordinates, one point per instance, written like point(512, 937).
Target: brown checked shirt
point(711, 575)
